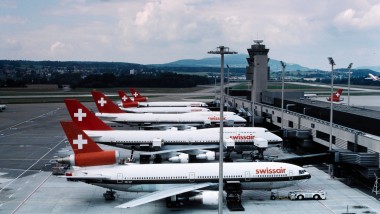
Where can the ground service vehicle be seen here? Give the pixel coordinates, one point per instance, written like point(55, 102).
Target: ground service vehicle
point(300, 195)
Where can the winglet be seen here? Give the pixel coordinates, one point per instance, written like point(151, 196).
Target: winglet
point(83, 117)
point(104, 104)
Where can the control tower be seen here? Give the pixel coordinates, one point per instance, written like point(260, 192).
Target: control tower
point(257, 70)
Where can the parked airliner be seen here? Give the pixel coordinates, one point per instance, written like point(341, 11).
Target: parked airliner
point(126, 102)
point(110, 111)
point(336, 97)
point(128, 105)
point(190, 141)
point(177, 183)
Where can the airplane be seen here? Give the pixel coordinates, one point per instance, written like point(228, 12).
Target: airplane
point(110, 111)
point(336, 96)
point(177, 183)
point(137, 96)
point(193, 141)
point(128, 105)
point(126, 102)
point(373, 77)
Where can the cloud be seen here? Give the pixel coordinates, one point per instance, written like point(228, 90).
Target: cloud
point(352, 18)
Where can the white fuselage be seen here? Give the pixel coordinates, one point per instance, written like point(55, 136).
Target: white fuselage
point(155, 177)
point(172, 104)
point(164, 109)
point(206, 118)
point(241, 136)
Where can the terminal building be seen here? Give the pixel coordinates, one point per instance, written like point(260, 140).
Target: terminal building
point(355, 132)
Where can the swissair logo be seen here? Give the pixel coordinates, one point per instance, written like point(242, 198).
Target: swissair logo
point(80, 141)
point(80, 115)
point(135, 94)
point(337, 94)
point(102, 102)
point(124, 98)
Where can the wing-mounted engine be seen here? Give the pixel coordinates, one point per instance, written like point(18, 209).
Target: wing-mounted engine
point(91, 159)
point(206, 155)
point(180, 158)
point(206, 198)
point(209, 198)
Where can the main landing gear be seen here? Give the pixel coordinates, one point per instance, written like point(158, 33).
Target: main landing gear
point(109, 195)
point(233, 197)
point(228, 156)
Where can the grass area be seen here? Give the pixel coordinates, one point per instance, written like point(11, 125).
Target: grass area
point(52, 90)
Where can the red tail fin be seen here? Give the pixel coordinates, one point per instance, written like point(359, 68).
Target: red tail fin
point(104, 104)
point(79, 141)
point(83, 117)
point(86, 151)
point(338, 93)
point(126, 101)
point(137, 96)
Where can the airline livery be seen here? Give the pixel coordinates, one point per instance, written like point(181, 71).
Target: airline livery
point(176, 183)
point(128, 105)
point(110, 111)
point(194, 141)
point(336, 96)
point(126, 102)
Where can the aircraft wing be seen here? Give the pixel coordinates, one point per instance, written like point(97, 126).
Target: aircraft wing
point(100, 177)
point(164, 194)
point(189, 148)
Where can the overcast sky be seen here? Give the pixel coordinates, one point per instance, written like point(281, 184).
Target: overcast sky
point(148, 32)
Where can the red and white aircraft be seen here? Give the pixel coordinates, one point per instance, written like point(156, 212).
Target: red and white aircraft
point(128, 105)
point(110, 111)
point(177, 183)
point(195, 142)
point(336, 96)
point(127, 102)
point(137, 96)
point(373, 77)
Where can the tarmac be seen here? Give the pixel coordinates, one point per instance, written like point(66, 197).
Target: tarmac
point(31, 136)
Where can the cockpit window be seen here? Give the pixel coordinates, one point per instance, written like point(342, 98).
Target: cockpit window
point(301, 172)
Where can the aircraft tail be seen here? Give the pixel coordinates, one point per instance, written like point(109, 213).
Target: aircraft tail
point(338, 93)
point(126, 101)
point(86, 151)
point(83, 117)
point(80, 142)
point(137, 96)
point(104, 104)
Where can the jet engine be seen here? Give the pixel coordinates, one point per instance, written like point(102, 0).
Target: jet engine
point(180, 158)
point(92, 159)
point(208, 155)
point(206, 198)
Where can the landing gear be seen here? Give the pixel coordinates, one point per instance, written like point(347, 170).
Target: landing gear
point(228, 156)
point(109, 195)
point(172, 204)
point(131, 159)
point(233, 197)
point(157, 159)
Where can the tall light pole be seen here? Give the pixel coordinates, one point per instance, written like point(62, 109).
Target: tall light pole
point(221, 50)
point(228, 83)
point(332, 63)
point(282, 94)
point(349, 78)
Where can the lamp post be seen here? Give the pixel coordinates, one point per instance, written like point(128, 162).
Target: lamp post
point(228, 83)
point(221, 50)
point(332, 63)
point(349, 78)
point(282, 94)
